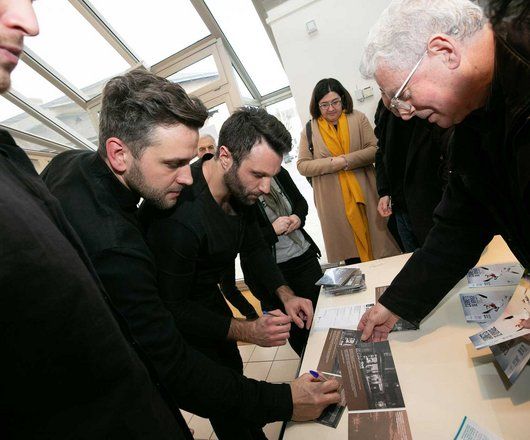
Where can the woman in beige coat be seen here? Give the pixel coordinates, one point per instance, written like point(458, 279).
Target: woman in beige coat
point(343, 178)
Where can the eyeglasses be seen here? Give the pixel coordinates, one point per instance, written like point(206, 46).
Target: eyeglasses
point(336, 103)
point(396, 103)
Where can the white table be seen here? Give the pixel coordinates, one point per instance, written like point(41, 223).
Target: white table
point(443, 378)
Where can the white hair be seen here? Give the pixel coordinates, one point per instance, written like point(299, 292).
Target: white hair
point(400, 36)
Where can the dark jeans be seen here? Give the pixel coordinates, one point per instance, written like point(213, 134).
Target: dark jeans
point(410, 243)
point(301, 273)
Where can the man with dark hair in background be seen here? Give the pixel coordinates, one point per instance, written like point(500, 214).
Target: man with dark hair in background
point(411, 172)
point(67, 370)
point(195, 243)
point(148, 135)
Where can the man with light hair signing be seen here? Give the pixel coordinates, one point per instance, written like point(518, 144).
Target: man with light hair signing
point(443, 61)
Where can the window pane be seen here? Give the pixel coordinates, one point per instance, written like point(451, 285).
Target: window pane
point(245, 93)
point(73, 47)
point(154, 29)
point(14, 117)
point(245, 32)
point(218, 115)
point(197, 75)
point(39, 91)
point(286, 112)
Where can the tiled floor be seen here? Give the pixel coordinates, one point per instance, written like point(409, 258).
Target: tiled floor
point(273, 364)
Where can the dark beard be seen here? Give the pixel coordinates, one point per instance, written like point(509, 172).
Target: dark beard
point(136, 182)
point(236, 188)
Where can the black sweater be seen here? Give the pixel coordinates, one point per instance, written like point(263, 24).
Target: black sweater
point(488, 191)
point(194, 245)
point(103, 211)
point(67, 371)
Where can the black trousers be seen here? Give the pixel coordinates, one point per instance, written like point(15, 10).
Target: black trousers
point(301, 273)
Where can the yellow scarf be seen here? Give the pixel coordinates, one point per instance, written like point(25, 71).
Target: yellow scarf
point(338, 143)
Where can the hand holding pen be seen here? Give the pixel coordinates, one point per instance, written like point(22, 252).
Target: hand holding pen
point(317, 376)
point(311, 395)
point(271, 329)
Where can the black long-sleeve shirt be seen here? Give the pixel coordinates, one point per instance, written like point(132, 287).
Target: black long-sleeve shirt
point(194, 245)
point(488, 191)
point(103, 212)
point(67, 371)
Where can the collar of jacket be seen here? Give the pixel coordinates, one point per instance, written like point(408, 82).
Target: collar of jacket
point(126, 199)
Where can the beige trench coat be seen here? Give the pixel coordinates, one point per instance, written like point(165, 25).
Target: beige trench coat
point(337, 232)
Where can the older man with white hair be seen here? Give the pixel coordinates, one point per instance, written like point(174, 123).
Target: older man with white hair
point(443, 61)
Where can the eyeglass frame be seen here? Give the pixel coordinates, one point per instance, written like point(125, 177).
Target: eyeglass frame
point(395, 102)
point(326, 105)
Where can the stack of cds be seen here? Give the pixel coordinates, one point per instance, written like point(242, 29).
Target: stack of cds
point(342, 280)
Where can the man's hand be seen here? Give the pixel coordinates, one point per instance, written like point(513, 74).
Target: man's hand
point(295, 223)
point(299, 309)
point(524, 323)
point(311, 397)
point(384, 207)
point(377, 323)
point(271, 329)
point(281, 225)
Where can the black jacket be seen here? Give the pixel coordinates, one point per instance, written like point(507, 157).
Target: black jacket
point(410, 165)
point(488, 191)
point(299, 208)
point(194, 245)
point(103, 211)
point(67, 371)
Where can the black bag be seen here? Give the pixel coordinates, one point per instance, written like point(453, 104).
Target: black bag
point(309, 135)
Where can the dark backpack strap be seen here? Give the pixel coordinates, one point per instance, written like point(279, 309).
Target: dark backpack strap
point(309, 135)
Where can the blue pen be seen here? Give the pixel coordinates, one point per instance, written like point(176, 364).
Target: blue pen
point(317, 375)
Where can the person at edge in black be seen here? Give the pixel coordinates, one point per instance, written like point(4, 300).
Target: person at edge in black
point(281, 216)
point(198, 240)
point(481, 73)
point(148, 133)
point(411, 172)
point(67, 370)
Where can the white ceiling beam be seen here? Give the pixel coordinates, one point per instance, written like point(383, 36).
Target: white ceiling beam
point(39, 140)
point(90, 13)
point(215, 29)
point(49, 120)
point(54, 77)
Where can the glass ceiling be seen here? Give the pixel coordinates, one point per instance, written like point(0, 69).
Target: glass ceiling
point(69, 44)
point(82, 43)
point(238, 22)
point(141, 27)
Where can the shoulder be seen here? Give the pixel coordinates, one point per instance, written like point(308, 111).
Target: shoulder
point(357, 116)
point(13, 153)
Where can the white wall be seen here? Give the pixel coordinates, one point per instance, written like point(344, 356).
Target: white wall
point(334, 51)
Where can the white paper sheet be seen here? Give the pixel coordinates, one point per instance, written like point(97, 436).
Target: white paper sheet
point(469, 430)
point(340, 317)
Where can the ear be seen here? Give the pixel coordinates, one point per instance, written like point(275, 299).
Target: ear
point(118, 155)
point(225, 158)
point(447, 47)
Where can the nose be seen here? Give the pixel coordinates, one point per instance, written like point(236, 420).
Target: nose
point(265, 185)
point(406, 114)
point(19, 15)
point(184, 176)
